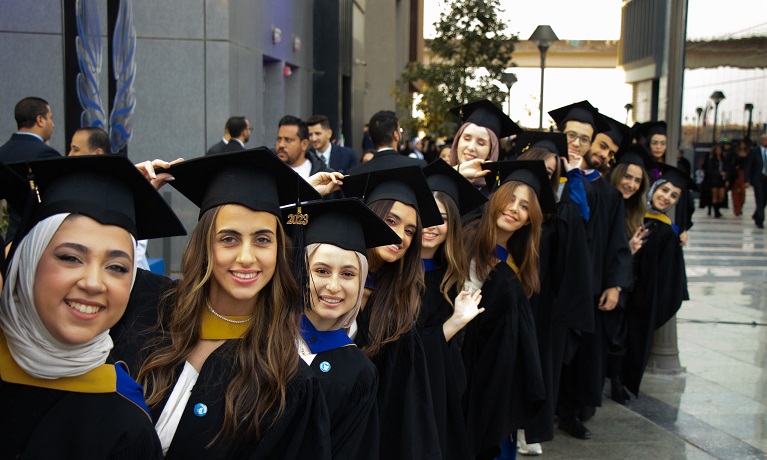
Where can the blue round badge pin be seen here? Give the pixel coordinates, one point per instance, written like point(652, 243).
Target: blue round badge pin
point(324, 366)
point(200, 409)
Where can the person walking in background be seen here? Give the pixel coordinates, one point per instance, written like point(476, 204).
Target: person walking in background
point(756, 175)
point(737, 176)
point(716, 177)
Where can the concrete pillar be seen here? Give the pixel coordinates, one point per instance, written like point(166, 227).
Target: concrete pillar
point(664, 355)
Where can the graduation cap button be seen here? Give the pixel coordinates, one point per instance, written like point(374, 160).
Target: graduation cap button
point(325, 366)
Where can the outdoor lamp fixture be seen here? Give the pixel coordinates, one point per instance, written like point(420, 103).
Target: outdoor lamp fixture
point(628, 108)
point(699, 111)
point(717, 97)
point(509, 79)
point(543, 37)
point(750, 107)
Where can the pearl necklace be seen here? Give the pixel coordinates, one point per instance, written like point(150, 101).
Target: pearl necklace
point(224, 318)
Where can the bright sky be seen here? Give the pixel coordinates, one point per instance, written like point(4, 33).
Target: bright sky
point(597, 20)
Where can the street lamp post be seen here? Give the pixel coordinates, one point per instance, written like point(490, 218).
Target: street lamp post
point(717, 97)
point(750, 108)
point(628, 108)
point(543, 37)
point(699, 111)
point(509, 79)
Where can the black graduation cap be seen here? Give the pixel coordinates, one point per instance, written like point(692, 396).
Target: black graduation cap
point(652, 128)
point(581, 111)
point(407, 185)
point(443, 178)
point(554, 142)
point(486, 114)
point(635, 154)
point(346, 223)
point(531, 172)
point(254, 178)
point(106, 188)
point(677, 177)
point(618, 132)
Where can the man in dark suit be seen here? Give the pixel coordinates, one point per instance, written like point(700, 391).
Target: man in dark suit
point(239, 130)
point(34, 122)
point(35, 127)
point(219, 146)
point(385, 133)
point(338, 158)
point(756, 175)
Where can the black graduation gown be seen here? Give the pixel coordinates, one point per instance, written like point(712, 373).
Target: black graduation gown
point(611, 265)
point(301, 432)
point(43, 423)
point(100, 414)
point(407, 428)
point(500, 353)
point(562, 310)
point(447, 377)
point(350, 387)
point(660, 286)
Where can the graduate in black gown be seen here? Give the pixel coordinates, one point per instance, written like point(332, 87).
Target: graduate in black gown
point(334, 245)
point(562, 308)
point(385, 327)
point(583, 377)
point(70, 275)
point(482, 125)
point(660, 280)
point(445, 307)
point(220, 367)
point(505, 387)
point(629, 177)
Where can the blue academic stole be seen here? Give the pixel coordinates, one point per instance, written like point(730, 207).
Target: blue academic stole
point(319, 341)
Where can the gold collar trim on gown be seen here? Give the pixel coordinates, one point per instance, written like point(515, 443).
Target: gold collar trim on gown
point(214, 328)
point(102, 379)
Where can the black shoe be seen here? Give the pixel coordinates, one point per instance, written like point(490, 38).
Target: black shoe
point(618, 392)
point(574, 427)
point(759, 225)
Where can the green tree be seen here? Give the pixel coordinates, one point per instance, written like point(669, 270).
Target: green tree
point(470, 52)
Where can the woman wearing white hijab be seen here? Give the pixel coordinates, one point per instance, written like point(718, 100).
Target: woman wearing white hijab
point(69, 279)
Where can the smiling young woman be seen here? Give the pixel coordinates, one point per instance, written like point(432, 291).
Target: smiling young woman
point(220, 365)
point(660, 281)
point(445, 307)
point(71, 272)
point(401, 198)
point(503, 250)
point(336, 240)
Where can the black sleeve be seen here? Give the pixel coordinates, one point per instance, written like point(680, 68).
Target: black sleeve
point(618, 254)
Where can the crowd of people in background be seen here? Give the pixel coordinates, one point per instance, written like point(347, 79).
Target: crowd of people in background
point(460, 298)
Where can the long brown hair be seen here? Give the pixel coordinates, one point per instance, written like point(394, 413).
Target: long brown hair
point(451, 252)
point(266, 357)
point(636, 206)
point(393, 305)
point(480, 238)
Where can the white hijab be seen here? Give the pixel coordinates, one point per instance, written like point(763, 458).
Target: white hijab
point(32, 346)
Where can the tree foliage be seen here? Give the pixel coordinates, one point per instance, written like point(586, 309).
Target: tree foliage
point(470, 52)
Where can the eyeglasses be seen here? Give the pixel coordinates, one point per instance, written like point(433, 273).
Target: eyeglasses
point(572, 136)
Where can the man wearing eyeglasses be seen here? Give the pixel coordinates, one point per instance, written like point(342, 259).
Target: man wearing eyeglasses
point(582, 379)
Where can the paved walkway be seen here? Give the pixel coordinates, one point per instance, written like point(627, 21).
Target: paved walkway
point(717, 409)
